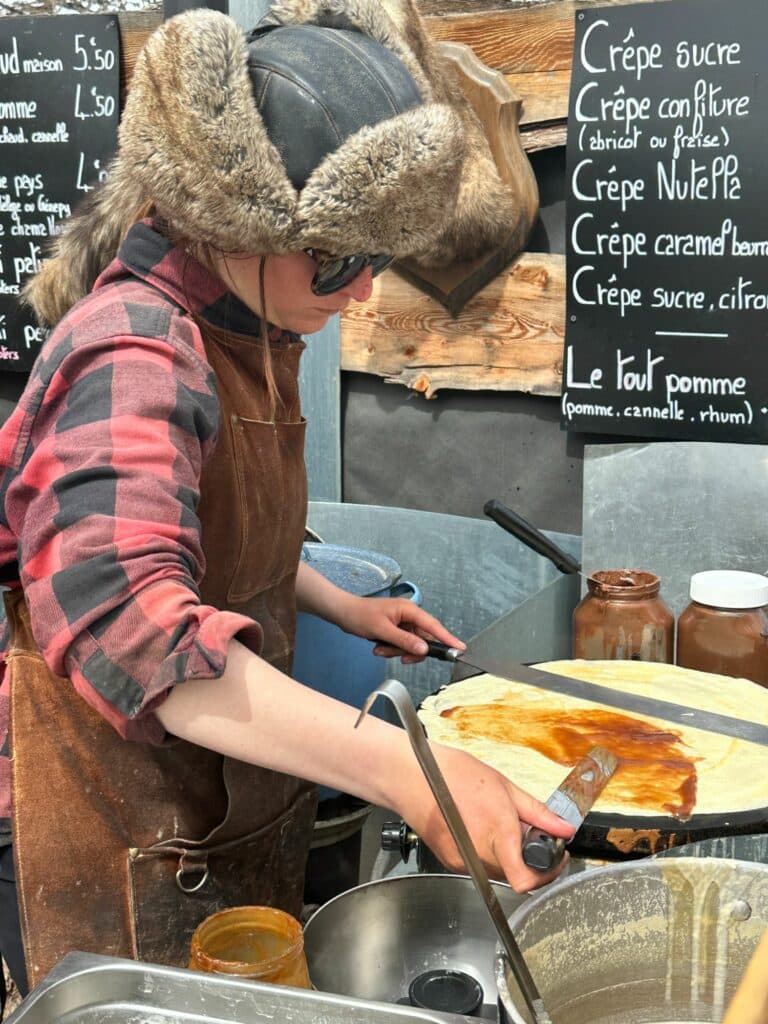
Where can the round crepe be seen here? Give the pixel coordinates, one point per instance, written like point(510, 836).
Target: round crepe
point(534, 737)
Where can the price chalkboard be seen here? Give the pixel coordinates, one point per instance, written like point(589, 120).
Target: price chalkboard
point(59, 92)
point(667, 222)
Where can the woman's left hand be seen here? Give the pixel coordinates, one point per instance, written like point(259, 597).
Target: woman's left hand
point(399, 625)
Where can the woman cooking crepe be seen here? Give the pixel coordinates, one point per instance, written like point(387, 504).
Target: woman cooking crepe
point(154, 492)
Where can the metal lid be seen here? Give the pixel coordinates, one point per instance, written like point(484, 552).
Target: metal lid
point(446, 990)
point(729, 588)
point(360, 572)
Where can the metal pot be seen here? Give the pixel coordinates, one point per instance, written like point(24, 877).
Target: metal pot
point(655, 940)
point(327, 658)
point(374, 941)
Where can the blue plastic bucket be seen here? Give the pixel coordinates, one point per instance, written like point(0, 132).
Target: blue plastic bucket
point(327, 658)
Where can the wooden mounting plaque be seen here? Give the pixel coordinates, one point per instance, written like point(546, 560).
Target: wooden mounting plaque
point(498, 109)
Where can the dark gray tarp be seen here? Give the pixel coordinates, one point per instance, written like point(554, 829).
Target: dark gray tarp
point(454, 452)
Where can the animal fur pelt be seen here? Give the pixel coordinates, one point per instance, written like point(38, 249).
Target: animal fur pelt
point(193, 145)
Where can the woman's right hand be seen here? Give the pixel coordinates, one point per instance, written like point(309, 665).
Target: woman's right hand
point(495, 812)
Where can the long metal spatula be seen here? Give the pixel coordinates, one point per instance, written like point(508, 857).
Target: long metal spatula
point(681, 714)
point(399, 696)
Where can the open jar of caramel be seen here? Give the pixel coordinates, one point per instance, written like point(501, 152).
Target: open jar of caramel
point(725, 627)
point(623, 618)
point(259, 943)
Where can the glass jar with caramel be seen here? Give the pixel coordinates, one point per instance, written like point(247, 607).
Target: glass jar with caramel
point(259, 943)
point(623, 618)
point(725, 627)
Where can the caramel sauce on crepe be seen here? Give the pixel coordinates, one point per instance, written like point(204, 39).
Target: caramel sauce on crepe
point(533, 736)
point(654, 770)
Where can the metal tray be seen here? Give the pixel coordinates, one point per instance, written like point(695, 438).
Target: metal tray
point(88, 989)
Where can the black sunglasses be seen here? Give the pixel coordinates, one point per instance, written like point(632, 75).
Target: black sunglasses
point(335, 272)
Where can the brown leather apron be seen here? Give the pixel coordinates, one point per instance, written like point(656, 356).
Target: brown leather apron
point(122, 848)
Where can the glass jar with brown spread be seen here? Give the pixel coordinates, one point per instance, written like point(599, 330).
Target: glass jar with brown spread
point(623, 618)
point(725, 627)
point(259, 943)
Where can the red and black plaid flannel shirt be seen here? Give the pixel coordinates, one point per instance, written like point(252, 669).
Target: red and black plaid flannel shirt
point(99, 482)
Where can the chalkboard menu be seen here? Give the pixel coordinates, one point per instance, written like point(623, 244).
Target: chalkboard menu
point(59, 91)
point(667, 222)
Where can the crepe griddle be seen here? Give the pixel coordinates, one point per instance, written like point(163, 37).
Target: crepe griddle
point(621, 836)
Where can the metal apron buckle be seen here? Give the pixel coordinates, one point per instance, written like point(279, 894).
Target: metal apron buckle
point(191, 869)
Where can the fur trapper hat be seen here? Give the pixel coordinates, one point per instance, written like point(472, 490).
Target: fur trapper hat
point(193, 143)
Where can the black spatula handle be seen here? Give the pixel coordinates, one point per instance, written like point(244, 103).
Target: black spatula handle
point(442, 651)
point(529, 535)
point(435, 649)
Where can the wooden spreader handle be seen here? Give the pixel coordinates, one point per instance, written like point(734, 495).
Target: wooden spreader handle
point(750, 1002)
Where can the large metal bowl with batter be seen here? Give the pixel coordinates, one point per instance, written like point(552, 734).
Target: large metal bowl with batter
point(648, 941)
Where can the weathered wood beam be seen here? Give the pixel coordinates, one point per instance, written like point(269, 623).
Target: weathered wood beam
point(544, 137)
point(442, 8)
point(447, 8)
point(509, 336)
point(516, 40)
point(135, 29)
point(519, 38)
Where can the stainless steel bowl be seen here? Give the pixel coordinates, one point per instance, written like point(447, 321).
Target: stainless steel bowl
point(651, 940)
point(373, 941)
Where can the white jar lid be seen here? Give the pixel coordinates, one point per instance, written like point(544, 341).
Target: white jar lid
point(729, 588)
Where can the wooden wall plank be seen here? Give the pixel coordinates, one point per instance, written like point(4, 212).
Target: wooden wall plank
point(517, 39)
point(544, 136)
point(443, 8)
point(509, 337)
point(135, 29)
point(447, 8)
